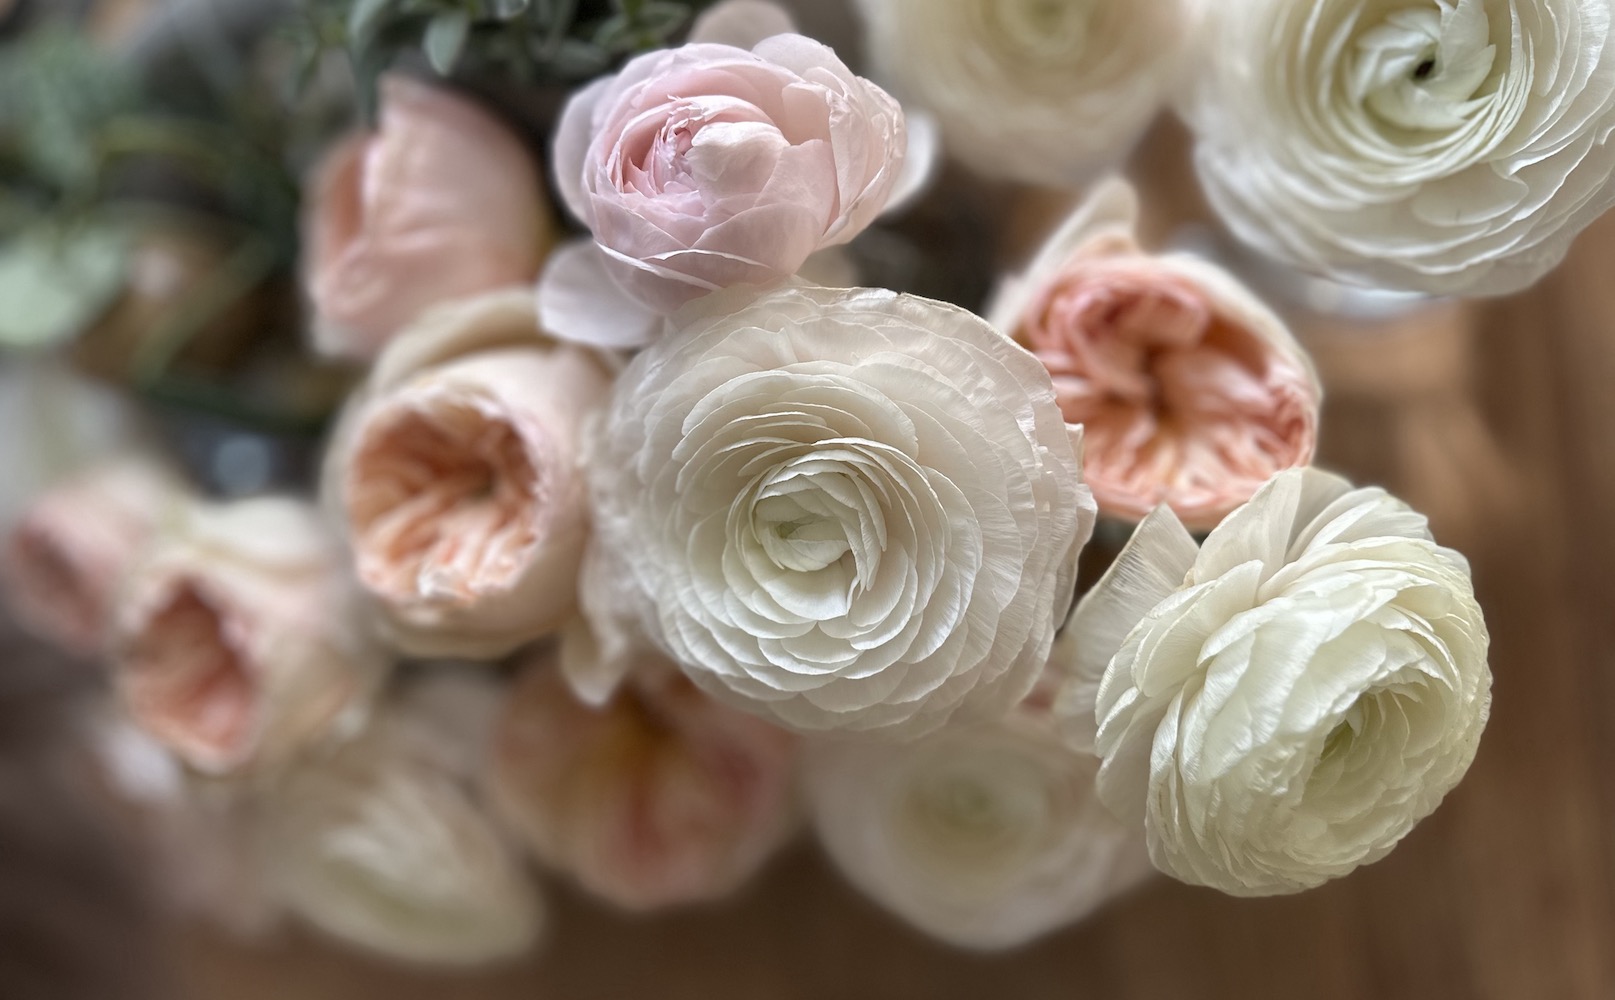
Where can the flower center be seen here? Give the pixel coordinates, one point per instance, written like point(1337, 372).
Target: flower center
point(1423, 68)
point(1042, 30)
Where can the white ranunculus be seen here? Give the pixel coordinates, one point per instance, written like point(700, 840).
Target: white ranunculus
point(1284, 703)
point(384, 844)
point(983, 836)
point(844, 509)
point(1041, 92)
point(1444, 146)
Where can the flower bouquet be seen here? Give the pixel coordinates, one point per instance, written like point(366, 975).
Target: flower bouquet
point(475, 547)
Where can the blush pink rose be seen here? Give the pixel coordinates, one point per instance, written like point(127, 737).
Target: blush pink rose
point(455, 475)
point(74, 546)
point(709, 166)
point(659, 797)
point(240, 638)
point(441, 201)
point(1191, 392)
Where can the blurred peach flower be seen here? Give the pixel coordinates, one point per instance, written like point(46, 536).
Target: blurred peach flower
point(240, 638)
point(661, 796)
point(73, 547)
point(1192, 392)
point(441, 201)
point(455, 475)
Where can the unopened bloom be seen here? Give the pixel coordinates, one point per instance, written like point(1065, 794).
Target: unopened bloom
point(1455, 147)
point(709, 166)
point(241, 638)
point(658, 797)
point(1283, 704)
point(1040, 92)
point(843, 509)
point(984, 836)
point(1191, 392)
point(74, 546)
point(440, 202)
point(455, 474)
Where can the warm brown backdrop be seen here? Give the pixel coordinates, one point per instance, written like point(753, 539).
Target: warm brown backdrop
point(1497, 419)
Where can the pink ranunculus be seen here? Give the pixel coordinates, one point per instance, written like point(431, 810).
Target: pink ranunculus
point(455, 474)
point(1192, 393)
point(240, 638)
point(441, 201)
point(709, 166)
point(659, 797)
point(73, 547)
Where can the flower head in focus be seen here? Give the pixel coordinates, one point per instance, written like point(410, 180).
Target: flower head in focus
point(846, 510)
point(1454, 147)
point(658, 797)
point(440, 202)
point(1191, 392)
point(455, 475)
point(1283, 704)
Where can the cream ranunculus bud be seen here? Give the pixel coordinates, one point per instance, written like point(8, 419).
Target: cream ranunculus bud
point(1455, 147)
point(1191, 392)
point(1040, 92)
point(241, 638)
point(69, 554)
point(658, 797)
point(984, 836)
point(455, 475)
point(709, 166)
point(846, 510)
point(1283, 704)
point(440, 202)
point(385, 845)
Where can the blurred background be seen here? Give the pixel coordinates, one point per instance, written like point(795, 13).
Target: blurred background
point(1494, 418)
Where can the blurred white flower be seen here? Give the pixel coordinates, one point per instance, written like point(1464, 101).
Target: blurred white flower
point(241, 638)
point(1444, 146)
point(1031, 90)
point(384, 844)
point(846, 510)
point(1283, 704)
point(454, 473)
point(984, 836)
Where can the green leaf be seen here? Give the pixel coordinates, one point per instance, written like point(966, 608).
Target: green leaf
point(504, 10)
point(364, 21)
point(55, 284)
point(445, 40)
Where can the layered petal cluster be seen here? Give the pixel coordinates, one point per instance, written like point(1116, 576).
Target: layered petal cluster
point(658, 797)
point(1039, 92)
point(1192, 393)
point(1283, 704)
point(844, 509)
point(984, 836)
point(385, 845)
point(241, 638)
point(455, 475)
point(72, 549)
point(709, 166)
point(1455, 147)
point(441, 201)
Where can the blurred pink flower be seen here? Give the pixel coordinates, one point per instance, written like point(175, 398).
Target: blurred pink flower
point(1192, 393)
point(661, 796)
point(440, 202)
point(73, 547)
point(239, 639)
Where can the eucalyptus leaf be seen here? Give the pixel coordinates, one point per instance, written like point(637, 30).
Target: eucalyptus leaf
point(365, 20)
point(505, 10)
point(445, 39)
point(55, 284)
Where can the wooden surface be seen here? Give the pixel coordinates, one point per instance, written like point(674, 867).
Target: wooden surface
point(1507, 892)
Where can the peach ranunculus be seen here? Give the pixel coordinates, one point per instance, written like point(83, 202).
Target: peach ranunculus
point(659, 797)
point(440, 202)
point(1192, 392)
point(241, 637)
point(709, 166)
point(73, 547)
point(455, 474)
